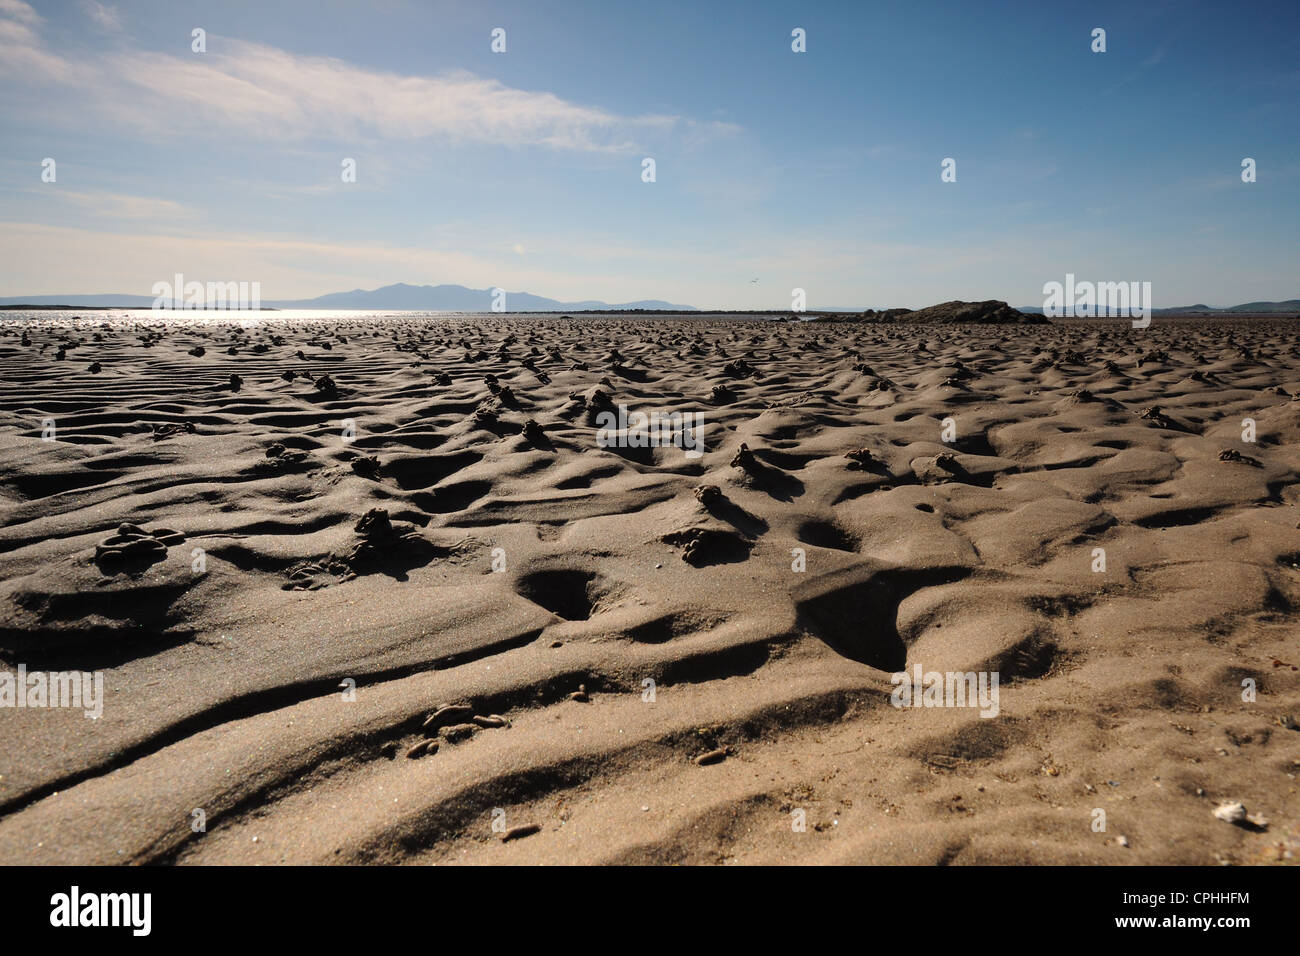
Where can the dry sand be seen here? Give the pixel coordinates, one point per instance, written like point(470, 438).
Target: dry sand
point(1120, 690)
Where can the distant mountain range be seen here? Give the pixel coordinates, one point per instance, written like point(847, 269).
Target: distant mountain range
point(400, 297)
point(1290, 305)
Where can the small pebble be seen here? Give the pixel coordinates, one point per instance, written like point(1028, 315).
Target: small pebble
point(1230, 812)
point(519, 832)
point(449, 714)
point(1235, 813)
point(422, 748)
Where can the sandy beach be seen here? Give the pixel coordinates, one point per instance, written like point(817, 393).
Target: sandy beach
point(380, 590)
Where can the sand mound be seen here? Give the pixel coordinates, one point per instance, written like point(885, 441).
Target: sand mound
point(991, 312)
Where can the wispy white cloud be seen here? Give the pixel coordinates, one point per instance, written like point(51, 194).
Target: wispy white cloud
point(19, 11)
point(245, 88)
point(249, 87)
point(16, 34)
point(22, 54)
point(105, 17)
point(122, 205)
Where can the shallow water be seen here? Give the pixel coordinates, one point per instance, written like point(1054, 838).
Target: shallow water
point(248, 319)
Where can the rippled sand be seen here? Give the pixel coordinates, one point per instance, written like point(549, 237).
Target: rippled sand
point(524, 571)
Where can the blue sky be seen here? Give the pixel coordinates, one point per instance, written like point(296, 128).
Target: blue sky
point(818, 170)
